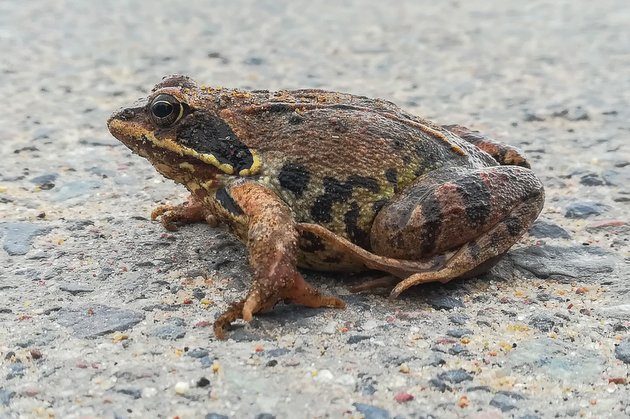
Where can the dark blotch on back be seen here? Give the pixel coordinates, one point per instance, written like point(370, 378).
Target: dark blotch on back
point(476, 198)
point(368, 183)
point(208, 134)
point(392, 177)
point(226, 201)
point(338, 191)
point(356, 234)
point(294, 177)
point(334, 191)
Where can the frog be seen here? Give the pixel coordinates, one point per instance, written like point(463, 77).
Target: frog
point(331, 181)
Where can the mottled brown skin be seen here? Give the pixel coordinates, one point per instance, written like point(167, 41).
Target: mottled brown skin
point(331, 181)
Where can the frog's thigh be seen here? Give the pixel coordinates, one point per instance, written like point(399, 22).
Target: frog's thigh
point(433, 216)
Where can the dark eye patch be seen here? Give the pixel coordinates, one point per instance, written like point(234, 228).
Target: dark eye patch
point(209, 134)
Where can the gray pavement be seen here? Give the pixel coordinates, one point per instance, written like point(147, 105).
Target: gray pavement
point(105, 314)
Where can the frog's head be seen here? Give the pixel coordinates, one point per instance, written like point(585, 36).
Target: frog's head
point(178, 129)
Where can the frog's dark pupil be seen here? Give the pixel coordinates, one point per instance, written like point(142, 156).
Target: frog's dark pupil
point(162, 109)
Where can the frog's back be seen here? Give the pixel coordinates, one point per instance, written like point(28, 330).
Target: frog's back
point(334, 156)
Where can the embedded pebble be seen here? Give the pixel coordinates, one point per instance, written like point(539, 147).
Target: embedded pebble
point(169, 332)
point(19, 237)
point(6, 396)
point(591, 179)
point(90, 321)
point(622, 351)
point(459, 333)
point(197, 353)
point(565, 263)
point(584, 209)
point(371, 412)
point(16, 370)
point(76, 289)
point(505, 401)
point(356, 339)
point(203, 382)
point(542, 322)
point(455, 376)
point(445, 302)
point(556, 359)
point(135, 393)
point(45, 182)
point(273, 353)
point(76, 189)
point(459, 319)
point(547, 229)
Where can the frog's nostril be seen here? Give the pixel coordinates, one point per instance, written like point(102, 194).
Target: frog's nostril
point(126, 114)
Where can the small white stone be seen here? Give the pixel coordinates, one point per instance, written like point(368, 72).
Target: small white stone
point(182, 387)
point(330, 328)
point(346, 380)
point(324, 375)
point(369, 325)
point(149, 391)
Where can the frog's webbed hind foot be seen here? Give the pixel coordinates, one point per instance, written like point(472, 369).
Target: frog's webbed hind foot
point(191, 211)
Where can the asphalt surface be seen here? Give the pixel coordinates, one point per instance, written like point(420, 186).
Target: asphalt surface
point(105, 314)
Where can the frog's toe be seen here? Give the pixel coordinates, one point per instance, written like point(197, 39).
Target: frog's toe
point(233, 313)
point(256, 302)
point(166, 215)
point(301, 292)
point(191, 211)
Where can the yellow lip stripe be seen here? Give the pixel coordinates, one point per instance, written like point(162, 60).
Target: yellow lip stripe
point(226, 168)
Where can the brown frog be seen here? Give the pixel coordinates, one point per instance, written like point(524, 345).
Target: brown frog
point(331, 181)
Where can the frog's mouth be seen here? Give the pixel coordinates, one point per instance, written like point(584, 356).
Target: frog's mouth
point(141, 138)
point(168, 157)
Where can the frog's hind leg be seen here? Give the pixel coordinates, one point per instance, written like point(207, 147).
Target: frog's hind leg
point(479, 255)
point(504, 154)
point(462, 220)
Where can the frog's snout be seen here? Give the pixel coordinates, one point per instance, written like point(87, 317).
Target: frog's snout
point(128, 113)
point(125, 114)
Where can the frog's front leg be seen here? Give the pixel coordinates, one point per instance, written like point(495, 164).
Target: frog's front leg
point(191, 211)
point(467, 218)
point(272, 243)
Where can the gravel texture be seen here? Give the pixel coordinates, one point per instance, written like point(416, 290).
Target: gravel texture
point(103, 313)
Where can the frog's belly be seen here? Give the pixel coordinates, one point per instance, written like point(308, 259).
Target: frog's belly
point(322, 255)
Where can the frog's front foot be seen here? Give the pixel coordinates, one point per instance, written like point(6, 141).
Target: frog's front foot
point(191, 211)
point(267, 292)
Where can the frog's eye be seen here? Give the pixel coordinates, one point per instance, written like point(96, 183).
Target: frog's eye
point(166, 110)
